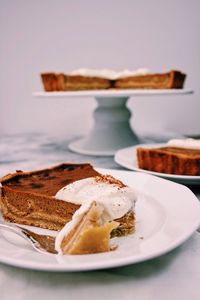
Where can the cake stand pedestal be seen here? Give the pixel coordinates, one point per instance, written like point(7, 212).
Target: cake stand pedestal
point(111, 130)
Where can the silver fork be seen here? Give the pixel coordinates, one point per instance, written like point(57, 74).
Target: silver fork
point(41, 243)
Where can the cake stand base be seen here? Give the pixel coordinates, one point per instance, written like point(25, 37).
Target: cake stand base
point(111, 130)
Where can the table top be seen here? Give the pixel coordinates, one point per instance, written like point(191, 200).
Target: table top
point(175, 275)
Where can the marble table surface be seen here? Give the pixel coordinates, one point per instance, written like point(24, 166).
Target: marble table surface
point(175, 275)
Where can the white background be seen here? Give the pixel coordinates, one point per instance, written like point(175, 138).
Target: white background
point(38, 36)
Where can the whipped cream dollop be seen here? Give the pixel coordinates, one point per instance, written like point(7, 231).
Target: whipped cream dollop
point(114, 198)
point(109, 74)
point(185, 143)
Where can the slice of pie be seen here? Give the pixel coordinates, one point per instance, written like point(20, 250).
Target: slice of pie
point(169, 160)
point(30, 197)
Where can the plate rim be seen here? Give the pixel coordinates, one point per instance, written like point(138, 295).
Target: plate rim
point(115, 262)
point(113, 93)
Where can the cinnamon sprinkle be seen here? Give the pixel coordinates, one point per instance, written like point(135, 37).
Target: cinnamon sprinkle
point(110, 180)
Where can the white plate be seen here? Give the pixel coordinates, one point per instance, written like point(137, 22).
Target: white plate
point(167, 215)
point(127, 158)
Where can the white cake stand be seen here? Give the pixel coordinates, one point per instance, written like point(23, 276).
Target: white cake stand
point(111, 130)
